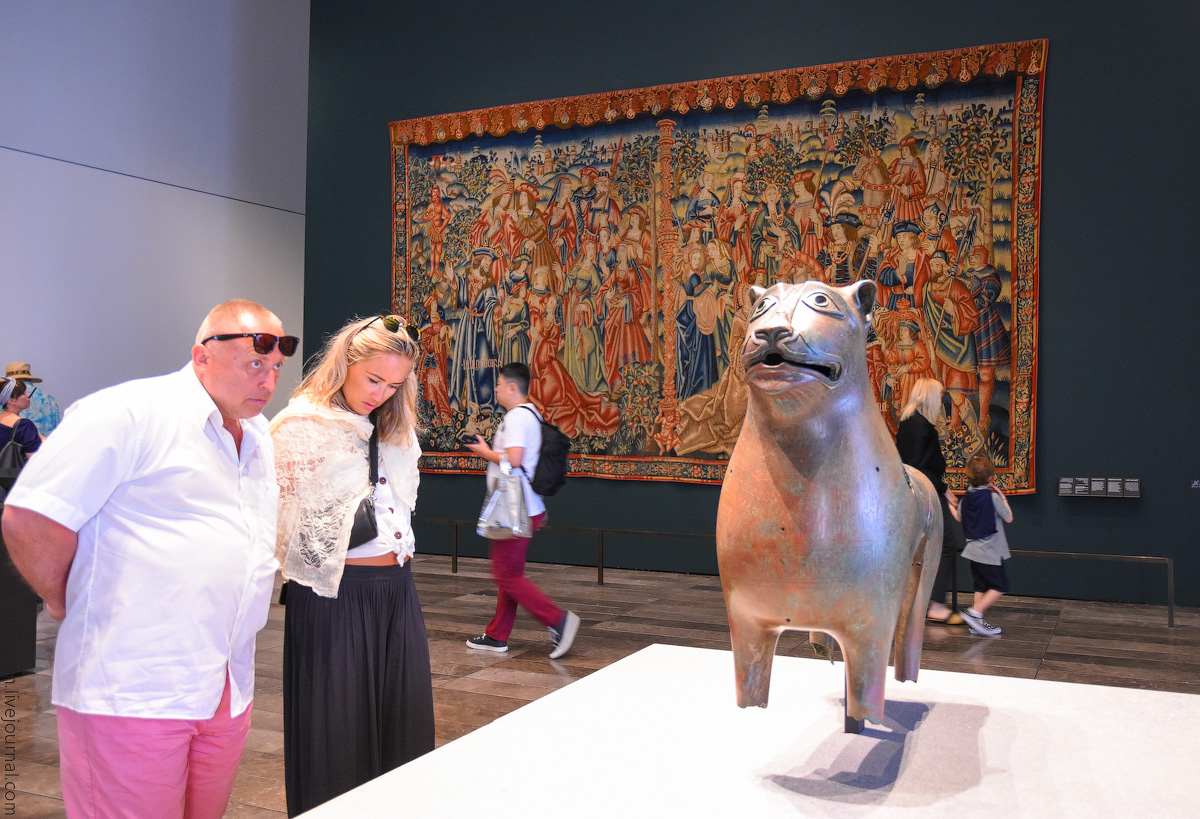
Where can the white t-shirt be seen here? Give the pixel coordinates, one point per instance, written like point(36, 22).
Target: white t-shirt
point(521, 426)
point(175, 563)
point(394, 522)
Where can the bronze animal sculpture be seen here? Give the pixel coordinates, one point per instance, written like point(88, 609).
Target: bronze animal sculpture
point(820, 526)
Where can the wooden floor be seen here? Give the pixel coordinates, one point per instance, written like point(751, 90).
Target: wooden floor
point(1099, 643)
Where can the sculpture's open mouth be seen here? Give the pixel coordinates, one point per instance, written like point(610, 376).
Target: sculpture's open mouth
point(774, 369)
point(828, 369)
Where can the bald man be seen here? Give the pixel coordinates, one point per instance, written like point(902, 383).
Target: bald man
point(147, 524)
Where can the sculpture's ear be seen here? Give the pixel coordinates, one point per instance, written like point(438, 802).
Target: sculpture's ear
point(756, 293)
point(862, 296)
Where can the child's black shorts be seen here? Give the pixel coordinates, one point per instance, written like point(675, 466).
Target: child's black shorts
point(989, 577)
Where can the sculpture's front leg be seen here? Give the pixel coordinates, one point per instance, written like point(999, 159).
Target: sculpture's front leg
point(910, 630)
point(866, 654)
point(753, 652)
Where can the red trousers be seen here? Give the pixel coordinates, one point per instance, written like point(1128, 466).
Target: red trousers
point(515, 589)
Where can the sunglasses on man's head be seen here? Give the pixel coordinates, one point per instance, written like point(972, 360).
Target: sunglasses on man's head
point(393, 324)
point(264, 343)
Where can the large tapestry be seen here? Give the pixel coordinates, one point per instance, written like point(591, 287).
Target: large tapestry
point(610, 242)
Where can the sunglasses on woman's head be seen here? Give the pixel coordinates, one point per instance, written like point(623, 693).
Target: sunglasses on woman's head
point(393, 324)
point(264, 343)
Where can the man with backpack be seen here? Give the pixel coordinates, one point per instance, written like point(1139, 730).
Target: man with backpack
point(520, 440)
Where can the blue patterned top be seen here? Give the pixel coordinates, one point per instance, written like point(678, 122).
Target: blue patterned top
point(43, 411)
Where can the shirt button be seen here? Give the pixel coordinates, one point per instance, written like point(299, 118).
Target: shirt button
point(397, 536)
point(383, 480)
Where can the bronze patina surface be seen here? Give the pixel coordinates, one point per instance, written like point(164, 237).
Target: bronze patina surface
point(820, 526)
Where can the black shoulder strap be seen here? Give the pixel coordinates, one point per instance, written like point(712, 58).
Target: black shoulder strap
point(373, 454)
point(536, 414)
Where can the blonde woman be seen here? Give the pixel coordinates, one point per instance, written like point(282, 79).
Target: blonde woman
point(917, 441)
point(357, 691)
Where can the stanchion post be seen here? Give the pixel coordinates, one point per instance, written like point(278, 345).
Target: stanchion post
point(600, 558)
point(953, 580)
point(1170, 592)
point(454, 548)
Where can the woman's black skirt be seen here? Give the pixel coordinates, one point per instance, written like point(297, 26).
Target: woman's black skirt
point(357, 691)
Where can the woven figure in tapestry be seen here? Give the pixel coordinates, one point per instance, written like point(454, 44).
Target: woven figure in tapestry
point(820, 526)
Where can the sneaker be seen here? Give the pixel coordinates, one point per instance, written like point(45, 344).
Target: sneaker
point(485, 643)
point(978, 625)
point(564, 635)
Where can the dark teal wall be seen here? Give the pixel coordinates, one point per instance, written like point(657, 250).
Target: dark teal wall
point(1118, 357)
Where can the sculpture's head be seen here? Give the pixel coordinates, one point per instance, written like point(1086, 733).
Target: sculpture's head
point(807, 342)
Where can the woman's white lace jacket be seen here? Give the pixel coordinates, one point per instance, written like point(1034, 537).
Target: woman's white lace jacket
point(321, 466)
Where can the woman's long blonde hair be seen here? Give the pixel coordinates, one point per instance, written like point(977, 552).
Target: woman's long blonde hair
point(925, 398)
point(361, 339)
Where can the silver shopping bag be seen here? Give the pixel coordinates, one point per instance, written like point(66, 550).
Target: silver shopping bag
point(504, 514)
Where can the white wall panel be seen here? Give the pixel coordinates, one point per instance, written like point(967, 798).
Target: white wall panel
point(209, 95)
point(107, 278)
point(152, 164)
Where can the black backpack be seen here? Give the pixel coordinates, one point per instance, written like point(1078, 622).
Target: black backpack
point(551, 472)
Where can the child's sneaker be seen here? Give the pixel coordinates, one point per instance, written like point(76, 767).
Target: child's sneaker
point(978, 625)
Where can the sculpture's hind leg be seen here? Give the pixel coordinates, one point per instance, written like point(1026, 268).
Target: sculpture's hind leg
point(866, 667)
point(753, 652)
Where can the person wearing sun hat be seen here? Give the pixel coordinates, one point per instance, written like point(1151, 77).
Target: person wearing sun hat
point(14, 398)
point(43, 409)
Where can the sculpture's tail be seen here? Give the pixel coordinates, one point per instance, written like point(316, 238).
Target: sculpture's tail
point(910, 630)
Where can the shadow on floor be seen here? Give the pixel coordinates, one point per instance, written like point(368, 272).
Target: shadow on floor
point(881, 764)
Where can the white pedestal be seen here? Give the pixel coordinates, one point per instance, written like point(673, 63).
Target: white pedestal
point(658, 734)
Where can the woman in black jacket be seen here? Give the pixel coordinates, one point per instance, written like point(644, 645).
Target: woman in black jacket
point(917, 441)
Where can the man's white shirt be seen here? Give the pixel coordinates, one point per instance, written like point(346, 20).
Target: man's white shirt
point(522, 428)
point(175, 567)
